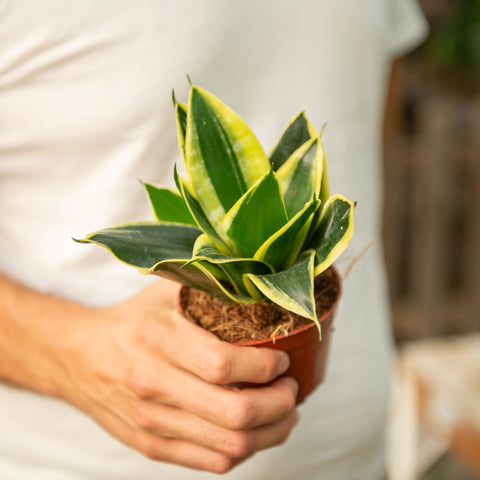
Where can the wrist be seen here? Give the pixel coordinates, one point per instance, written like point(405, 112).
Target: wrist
point(58, 349)
point(34, 338)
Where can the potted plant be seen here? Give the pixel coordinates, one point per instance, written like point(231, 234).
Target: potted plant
point(251, 237)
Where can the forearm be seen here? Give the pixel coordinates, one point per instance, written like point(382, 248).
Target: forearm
point(34, 333)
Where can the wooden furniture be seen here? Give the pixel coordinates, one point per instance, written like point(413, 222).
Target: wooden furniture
point(435, 405)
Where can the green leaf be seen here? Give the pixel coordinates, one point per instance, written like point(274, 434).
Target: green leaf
point(197, 213)
point(197, 276)
point(145, 244)
point(181, 117)
point(333, 232)
point(324, 196)
point(297, 132)
point(223, 157)
point(282, 248)
point(325, 183)
point(204, 249)
point(292, 289)
point(256, 216)
point(300, 176)
point(234, 267)
point(162, 249)
point(168, 205)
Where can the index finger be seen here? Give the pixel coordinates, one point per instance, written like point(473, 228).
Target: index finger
point(195, 350)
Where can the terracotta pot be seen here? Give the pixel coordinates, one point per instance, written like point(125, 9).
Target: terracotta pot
point(308, 355)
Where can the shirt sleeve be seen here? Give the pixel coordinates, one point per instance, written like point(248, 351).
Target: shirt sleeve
point(408, 27)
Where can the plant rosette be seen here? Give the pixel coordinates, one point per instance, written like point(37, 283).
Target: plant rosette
point(251, 237)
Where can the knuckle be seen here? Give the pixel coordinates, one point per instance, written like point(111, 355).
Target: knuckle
point(221, 465)
point(285, 430)
point(148, 447)
point(143, 418)
point(283, 436)
point(144, 389)
point(270, 369)
point(139, 384)
point(238, 445)
point(239, 414)
point(143, 335)
point(143, 386)
point(218, 367)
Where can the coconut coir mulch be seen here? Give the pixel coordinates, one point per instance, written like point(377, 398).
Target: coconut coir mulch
point(243, 322)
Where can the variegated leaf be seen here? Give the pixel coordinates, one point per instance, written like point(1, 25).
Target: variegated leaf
point(333, 233)
point(162, 249)
point(223, 157)
point(325, 183)
point(199, 216)
point(285, 244)
point(145, 244)
point(292, 289)
point(199, 276)
point(297, 132)
point(324, 196)
point(233, 267)
point(256, 216)
point(181, 117)
point(300, 176)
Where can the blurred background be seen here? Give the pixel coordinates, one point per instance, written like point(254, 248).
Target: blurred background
point(432, 177)
point(432, 220)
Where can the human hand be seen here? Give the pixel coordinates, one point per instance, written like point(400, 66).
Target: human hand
point(160, 384)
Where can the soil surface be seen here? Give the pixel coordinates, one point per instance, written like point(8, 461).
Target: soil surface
point(235, 322)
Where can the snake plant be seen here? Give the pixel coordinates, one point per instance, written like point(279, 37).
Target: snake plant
point(243, 225)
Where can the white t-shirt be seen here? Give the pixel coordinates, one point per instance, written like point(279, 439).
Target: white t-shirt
point(85, 110)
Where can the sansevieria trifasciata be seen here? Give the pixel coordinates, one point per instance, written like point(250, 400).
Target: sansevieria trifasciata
point(242, 226)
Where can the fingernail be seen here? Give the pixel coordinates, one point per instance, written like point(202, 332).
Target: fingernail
point(283, 364)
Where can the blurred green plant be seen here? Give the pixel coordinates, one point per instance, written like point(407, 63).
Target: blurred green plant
point(455, 42)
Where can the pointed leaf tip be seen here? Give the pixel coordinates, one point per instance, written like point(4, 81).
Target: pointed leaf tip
point(301, 174)
point(333, 233)
point(324, 126)
point(80, 240)
point(145, 244)
point(296, 133)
